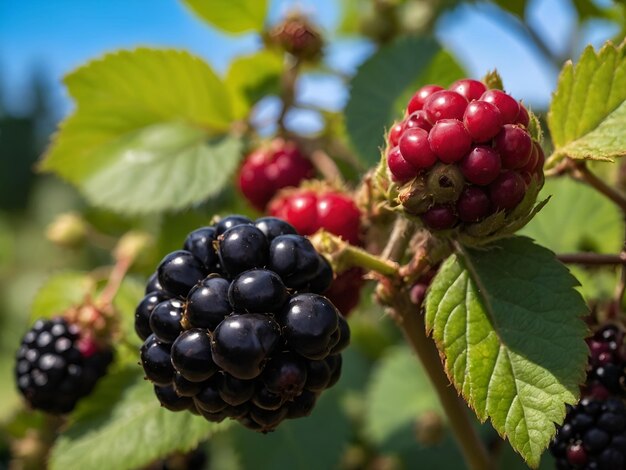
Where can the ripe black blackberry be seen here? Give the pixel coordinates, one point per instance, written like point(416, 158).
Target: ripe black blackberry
point(55, 369)
point(606, 373)
point(234, 326)
point(593, 436)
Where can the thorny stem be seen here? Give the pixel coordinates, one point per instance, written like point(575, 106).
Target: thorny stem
point(406, 316)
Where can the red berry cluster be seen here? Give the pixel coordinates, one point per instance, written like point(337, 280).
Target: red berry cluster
point(483, 133)
point(269, 168)
point(310, 210)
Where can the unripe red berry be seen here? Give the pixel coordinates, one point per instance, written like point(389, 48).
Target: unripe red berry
point(267, 170)
point(394, 133)
point(337, 213)
point(440, 217)
point(401, 170)
point(532, 161)
point(299, 209)
point(541, 159)
point(514, 145)
point(507, 191)
point(473, 204)
point(576, 454)
point(482, 120)
point(449, 140)
point(417, 119)
point(481, 166)
point(468, 88)
point(445, 104)
point(509, 108)
point(523, 118)
point(417, 101)
point(415, 148)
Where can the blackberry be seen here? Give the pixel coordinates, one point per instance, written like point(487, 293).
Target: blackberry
point(200, 244)
point(165, 320)
point(156, 361)
point(242, 247)
point(257, 290)
point(294, 259)
point(309, 323)
point(179, 272)
point(592, 436)
point(251, 339)
point(54, 370)
point(606, 374)
point(208, 304)
point(191, 355)
point(230, 222)
point(143, 311)
point(242, 343)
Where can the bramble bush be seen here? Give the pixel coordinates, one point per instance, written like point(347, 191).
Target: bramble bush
point(434, 279)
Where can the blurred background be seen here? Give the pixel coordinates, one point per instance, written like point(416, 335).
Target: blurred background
point(41, 41)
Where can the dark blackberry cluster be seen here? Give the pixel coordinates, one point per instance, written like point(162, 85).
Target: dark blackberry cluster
point(234, 326)
point(593, 436)
point(467, 153)
point(55, 368)
point(606, 374)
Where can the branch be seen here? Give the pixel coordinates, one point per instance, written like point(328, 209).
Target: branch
point(411, 322)
point(580, 172)
point(592, 259)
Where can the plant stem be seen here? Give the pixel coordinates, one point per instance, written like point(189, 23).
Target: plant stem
point(288, 85)
point(344, 256)
point(580, 172)
point(326, 166)
point(115, 281)
point(411, 322)
point(591, 259)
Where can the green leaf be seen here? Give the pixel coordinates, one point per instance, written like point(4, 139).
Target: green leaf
point(515, 7)
point(397, 378)
point(233, 16)
point(587, 115)
point(442, 70)
point(253, 77)
point(60, 292)
point(379, 81)
point(139, 115)
point(301, 444)
point(122, 426)
point(175, 166)
point(506, 319)
point(594, 225)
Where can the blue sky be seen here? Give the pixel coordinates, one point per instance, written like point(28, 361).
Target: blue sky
point(56, 36)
